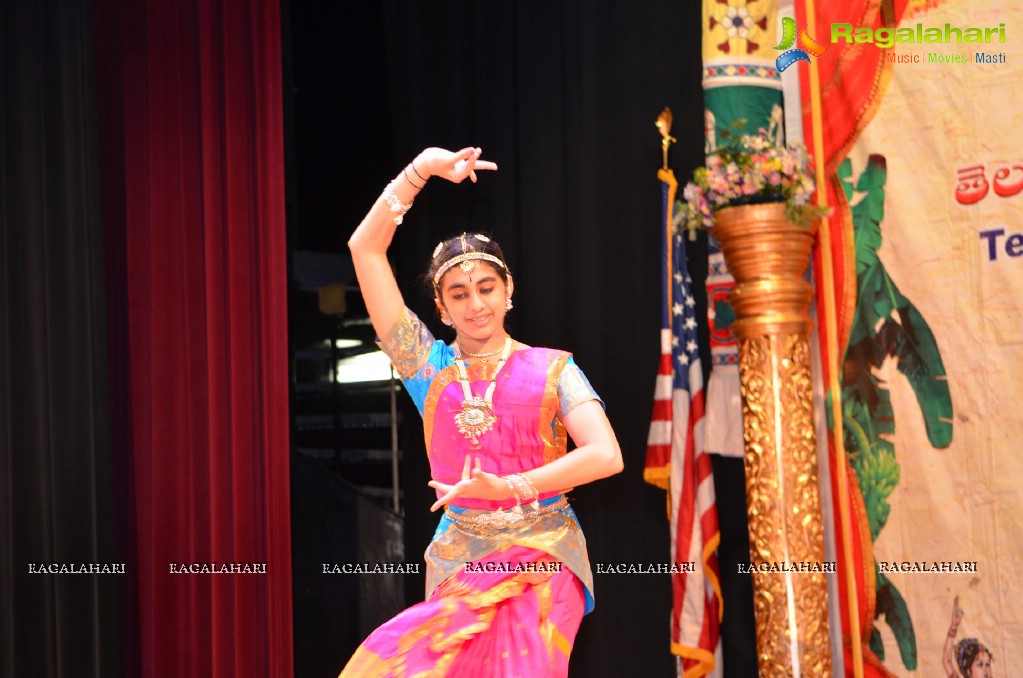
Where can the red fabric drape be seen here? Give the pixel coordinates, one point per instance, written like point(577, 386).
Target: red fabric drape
point(853, 80)
point(191, 115)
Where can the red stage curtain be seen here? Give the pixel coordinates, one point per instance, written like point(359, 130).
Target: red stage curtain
point(193, 169)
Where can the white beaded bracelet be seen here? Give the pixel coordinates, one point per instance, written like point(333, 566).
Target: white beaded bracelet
point(398, 208)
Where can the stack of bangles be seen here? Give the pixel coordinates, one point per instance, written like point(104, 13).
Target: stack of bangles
point(524, 491)
point(394, 203)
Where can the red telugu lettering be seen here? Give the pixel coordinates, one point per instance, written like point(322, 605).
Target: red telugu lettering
point(1003, 187)
point(972, 186)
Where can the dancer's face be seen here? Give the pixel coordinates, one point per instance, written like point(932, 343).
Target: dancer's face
point(981, 667)
point(475, 301)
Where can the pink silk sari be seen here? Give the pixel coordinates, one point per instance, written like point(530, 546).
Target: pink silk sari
point(504, 601)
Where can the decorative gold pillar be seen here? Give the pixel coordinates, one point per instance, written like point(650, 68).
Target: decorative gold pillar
point(767, 256)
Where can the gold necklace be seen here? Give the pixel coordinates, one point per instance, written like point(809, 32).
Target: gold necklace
point(459, 350)
point(477, 414)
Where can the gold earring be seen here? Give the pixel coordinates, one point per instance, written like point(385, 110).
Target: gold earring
point(445, 318)
point(508, 304)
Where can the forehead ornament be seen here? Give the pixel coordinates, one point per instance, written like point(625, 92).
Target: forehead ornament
point(466, 261)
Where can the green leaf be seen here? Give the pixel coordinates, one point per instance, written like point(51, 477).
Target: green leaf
point(892, 606)
point(868, 424)
point(872, 182)
point(870, 285)
point(919, 359)
point(844, 175)
point(876, 644)
point(862, 389)
point(868, 213)
point(878, 475)
point(885, 325)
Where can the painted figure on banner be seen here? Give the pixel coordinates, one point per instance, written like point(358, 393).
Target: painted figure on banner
point(969, 655)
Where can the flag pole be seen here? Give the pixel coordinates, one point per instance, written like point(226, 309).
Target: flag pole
point(831, 331)
point(674, 461)
point(667, 177)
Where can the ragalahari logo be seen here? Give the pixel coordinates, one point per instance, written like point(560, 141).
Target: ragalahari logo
point(807, 45)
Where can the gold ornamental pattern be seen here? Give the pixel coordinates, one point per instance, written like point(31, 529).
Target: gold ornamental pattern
point(767, 256)
point(783, 503)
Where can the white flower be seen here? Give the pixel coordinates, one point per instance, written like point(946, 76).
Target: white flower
point(737, 22)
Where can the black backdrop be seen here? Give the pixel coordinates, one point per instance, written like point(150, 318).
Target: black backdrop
point(563, 96)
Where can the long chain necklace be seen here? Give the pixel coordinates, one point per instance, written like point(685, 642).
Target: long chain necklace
point(477, 414)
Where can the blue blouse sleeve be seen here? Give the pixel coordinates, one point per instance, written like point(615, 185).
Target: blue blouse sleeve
point(574, 389)
point(416, 355)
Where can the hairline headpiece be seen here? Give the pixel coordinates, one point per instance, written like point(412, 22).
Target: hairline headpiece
point(466, 260)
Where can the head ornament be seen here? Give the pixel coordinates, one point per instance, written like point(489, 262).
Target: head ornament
point(466, 260)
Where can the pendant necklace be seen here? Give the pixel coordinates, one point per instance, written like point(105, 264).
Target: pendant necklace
point(477, 414)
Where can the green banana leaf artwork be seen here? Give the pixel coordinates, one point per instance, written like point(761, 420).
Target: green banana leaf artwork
point(886, 325)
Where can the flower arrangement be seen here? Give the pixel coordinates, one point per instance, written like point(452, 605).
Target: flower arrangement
point(749, 169)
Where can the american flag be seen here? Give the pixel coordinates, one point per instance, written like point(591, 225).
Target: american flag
point(678, 462)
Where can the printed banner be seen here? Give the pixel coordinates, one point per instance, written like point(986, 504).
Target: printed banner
point(933, 375)
point(742, 92)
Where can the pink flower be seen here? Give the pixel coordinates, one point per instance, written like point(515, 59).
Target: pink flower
point(744, 167)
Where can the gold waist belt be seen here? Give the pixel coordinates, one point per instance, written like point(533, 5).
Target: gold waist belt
point(518, 516)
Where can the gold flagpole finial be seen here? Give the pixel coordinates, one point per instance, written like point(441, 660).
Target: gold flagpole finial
point(664, 126)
